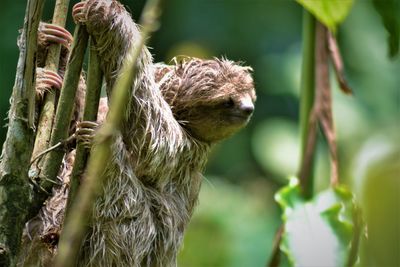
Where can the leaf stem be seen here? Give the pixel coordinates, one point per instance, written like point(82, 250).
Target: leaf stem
point(307, 92)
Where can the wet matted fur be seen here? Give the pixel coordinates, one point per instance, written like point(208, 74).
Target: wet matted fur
point(175, 114)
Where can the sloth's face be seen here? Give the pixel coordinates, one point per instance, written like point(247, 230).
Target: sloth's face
point(223, 116)
point(211, 99)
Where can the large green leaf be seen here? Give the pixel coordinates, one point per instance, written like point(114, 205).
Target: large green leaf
point(330, 12)
point(390, 14)
point(318, 232)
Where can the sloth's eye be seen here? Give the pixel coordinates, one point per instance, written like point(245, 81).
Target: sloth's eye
point(229, 103)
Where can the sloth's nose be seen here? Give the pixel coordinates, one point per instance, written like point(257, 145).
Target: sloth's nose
point(247, 107)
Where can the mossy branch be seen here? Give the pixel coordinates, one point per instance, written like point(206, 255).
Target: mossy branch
point(93, 91)
point(52, 63)
point(64, 109)
point(16, 193)
point(76, 220)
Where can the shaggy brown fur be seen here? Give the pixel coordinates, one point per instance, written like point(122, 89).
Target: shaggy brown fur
point(209, 98)
point(174, 116)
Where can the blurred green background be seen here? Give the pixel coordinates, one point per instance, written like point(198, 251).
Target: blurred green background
point(237, 217)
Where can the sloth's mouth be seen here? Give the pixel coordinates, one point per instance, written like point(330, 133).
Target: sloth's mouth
point(237, 117)
point(240, 114)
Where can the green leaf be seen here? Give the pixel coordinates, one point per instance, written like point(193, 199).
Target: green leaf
point(389, 10)
point(329, 12)
point(318, 232)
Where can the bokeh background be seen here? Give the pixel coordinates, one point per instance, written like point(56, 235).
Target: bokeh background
point(237, 217)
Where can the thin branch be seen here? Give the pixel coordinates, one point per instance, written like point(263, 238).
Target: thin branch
point(74, 229)
point(15, 190)
point(323, 100)
point(306, 103)
point(92, 98)
point(321, 111)
point(65, 107)
point(276, 251)
point(44, 152)
point(45, 123)
point(307, 163)
point(338, 64)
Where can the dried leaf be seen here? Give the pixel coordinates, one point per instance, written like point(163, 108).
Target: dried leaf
point(323, 98)
point(338, 64)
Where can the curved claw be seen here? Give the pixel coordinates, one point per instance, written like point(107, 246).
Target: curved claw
point(50, 78)
point(56, 34)
point(54, 77)
point(85, 131)
point(88, 124)
point(77, 12)
point(47, 79)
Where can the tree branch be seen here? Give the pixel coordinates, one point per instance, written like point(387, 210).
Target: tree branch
point(16, 193)
point(64, 109)
point(45, 123)
point(93, 91)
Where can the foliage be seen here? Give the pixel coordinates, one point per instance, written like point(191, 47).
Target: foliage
point(219, 237)
point(329, 12)
point(319, 229)
point(318, 232)
point(390, 13)
point(378, 185)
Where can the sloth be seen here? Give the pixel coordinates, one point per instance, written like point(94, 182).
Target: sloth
point(175, 114)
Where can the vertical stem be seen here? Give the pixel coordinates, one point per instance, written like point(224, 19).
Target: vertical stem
point(307, 98)
point(45, 123)
point(307, 124)
point(59, 18)
point(276, 251)
point(92, 98)
point(65, 107)
point(323, 98)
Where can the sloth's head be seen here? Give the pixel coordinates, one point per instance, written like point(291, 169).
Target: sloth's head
point(212, 99)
